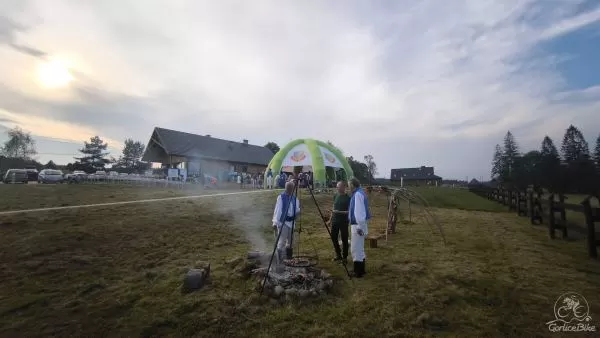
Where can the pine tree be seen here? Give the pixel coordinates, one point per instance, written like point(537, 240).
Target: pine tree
point(94, 155)
point(550, 171)
point(510, 154)
point(497, 162)
point(549, 149)
point(580, 169)
point(596, 154)
point(574, 146)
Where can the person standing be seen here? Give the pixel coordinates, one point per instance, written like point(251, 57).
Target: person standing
point(283, 221)
point(270, 179)
point(340, 223)
point(358, 215)
point(282, 179)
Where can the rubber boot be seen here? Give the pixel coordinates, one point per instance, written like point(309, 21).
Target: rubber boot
point(356, 269)
point(279, 257)
point(362, 267)
point(360, 271)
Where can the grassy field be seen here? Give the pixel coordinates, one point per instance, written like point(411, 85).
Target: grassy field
point(18, 197)
point(117, 271)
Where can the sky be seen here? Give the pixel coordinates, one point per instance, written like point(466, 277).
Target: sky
point(431, 82)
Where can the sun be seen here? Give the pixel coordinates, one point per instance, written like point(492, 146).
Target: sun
point(54, 74)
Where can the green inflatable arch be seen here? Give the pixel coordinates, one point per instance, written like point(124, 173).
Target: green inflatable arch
point(318, 162)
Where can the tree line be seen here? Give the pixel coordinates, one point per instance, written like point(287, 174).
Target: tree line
point(573, 169)
point(20, 149)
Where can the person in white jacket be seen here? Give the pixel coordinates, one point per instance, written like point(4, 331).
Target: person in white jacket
point(283, 221)
point(358, 215)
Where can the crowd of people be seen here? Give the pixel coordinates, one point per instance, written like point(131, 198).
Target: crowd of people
point(258, 180)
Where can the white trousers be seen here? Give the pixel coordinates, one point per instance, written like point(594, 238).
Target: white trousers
point(357, 243)
point(285, 239)
point(270, 182)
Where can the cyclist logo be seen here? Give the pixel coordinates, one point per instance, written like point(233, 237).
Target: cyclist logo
point(572, 314)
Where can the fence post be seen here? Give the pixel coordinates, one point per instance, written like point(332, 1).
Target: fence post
point(563, 215)
point(551, 216)
point(590, 218)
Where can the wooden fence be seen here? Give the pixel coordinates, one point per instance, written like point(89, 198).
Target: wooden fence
point(552, 210)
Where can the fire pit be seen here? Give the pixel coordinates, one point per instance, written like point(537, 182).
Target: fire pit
point(300, 262)
point(296, 278)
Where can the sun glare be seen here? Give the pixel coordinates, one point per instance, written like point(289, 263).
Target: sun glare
point(54, 74)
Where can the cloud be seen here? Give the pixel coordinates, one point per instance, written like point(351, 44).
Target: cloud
point(571, 24)
point(418, 74)
point(48, 128)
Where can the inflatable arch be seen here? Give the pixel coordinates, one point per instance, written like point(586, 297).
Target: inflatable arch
point(314, 154)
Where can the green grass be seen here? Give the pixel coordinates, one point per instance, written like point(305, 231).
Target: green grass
point(454, 198)
point(30, 196)
point(117, 271)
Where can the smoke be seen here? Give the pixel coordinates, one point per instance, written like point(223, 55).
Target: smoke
point(249, 217)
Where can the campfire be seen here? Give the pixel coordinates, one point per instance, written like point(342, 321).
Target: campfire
point(296, 278)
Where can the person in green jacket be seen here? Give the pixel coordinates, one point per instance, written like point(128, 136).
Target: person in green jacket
point(339, 222)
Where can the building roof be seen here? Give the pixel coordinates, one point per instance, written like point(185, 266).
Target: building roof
point(192, 145)
point(420, 173)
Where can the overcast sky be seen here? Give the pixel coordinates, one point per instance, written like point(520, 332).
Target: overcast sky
point(431, 82)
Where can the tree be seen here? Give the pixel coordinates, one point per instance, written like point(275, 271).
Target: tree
point(509, 156)
point(550, 169)
point(579, 165)
point(94, 155)
point(526, 170)
point(361, 171)
point(371, 167)
point(549, 149)
point(20, 145)
point(50, 165)
point(596, 155)
point(273, 147)
point(497, 162)
point(574, 145)
point(132, 155)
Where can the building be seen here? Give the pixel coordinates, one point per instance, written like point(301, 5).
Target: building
point(415, 176)
point(205, 154)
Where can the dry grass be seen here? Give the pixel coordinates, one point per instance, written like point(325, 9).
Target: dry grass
point(117, 271)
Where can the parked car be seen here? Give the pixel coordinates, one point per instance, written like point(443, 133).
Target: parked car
point(50, 176)
point(32, 174)
point(16, 176)
point(76, 176)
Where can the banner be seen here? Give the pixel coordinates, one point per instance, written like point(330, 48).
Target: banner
point(330, 159)
point(297, 156)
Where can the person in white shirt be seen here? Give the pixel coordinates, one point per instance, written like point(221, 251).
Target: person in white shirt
point(358, 215)
point(283, 221)
point(270, 179)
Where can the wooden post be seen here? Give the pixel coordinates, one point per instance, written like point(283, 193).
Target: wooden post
point(530, 205)
point(551, 216)
point(537, 205)
point(592, 215)
point(409, 212)
point(563, 216)
point(518, 203)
